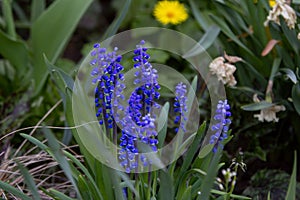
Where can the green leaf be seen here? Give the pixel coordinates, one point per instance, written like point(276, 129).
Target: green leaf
point(206, 41)
point(248, 89)
point(86, 173)
point(61, 78)
point(208, 181)
point(8, 17)
point(296, 97)
point(209, 37)
point(227, 31)
point(116, 182)
point(256, 22)
point(8, 188)
point(166, 190)
point(59, 195)
point(290, 35)
point(257, 75)
point(205, 150)
point(128, 183)
point(29, 182)
point(191, 152)
point(163, 121)
point(103, 179)
point(185, 143)
point(188, 193)
point(231, 195)
point(193, 149)
point(62, 81)
point(58, 23)
point(203, 20)
point(84, 188)
point(15, 51)
point(62, 161)
point(290, 74)
point(35, 141)
point(291, 193)
point(275, 67)
point(257, 106)
point(37, 8)
point(115, 25)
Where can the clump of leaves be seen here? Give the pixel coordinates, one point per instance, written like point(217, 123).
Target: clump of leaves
point(275, 181)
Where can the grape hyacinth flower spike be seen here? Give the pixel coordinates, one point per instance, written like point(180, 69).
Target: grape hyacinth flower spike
point(106, 72)
point(139, 120)
point(180, 106)
point(221, 126)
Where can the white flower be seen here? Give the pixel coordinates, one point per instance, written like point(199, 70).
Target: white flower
point(224, 71)
point(283, 9)
point(298, 36)
point(268, 114)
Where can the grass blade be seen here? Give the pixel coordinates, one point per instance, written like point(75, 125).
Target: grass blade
point(231, 195)
point(206, 41)
point(113, 28)
point(163, 131)
point(59, 195)
point(166, 190)
point(193, 148)
point(203, 20)
point(61, 78)
point(210, 177)
point(58, 155)
point(257, 106)
point(37, 8)
point(188, 193)
point(275, 66)
point(85, 171)
point(296, 96)
point(128, 183)
point(84, 188)
point(8, 17)
point(8, 188)
point(291, 193)
point(35, 141)
point(29, 182)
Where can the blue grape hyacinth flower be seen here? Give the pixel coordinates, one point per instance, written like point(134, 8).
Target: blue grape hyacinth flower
point(180, 106)
point(139, 119)
point(106, 72)
point(221, 126)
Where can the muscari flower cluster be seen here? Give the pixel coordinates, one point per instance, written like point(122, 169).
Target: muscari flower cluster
point(139, 119)
point(180, 106)
point(222, 124)
point(138, 122)
point(106, 71)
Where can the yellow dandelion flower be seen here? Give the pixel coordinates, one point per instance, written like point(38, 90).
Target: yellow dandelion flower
point(171, 12)
point(272, 2)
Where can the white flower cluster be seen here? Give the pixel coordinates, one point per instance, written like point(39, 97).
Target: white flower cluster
point(282, 8)
point(228, 175)
point(268, 114)
point(224, 70)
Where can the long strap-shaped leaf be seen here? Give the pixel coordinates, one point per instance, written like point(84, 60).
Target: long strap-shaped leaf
point(13, 190)
point(291, 193)
point(113, 28)
point(51, 31)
